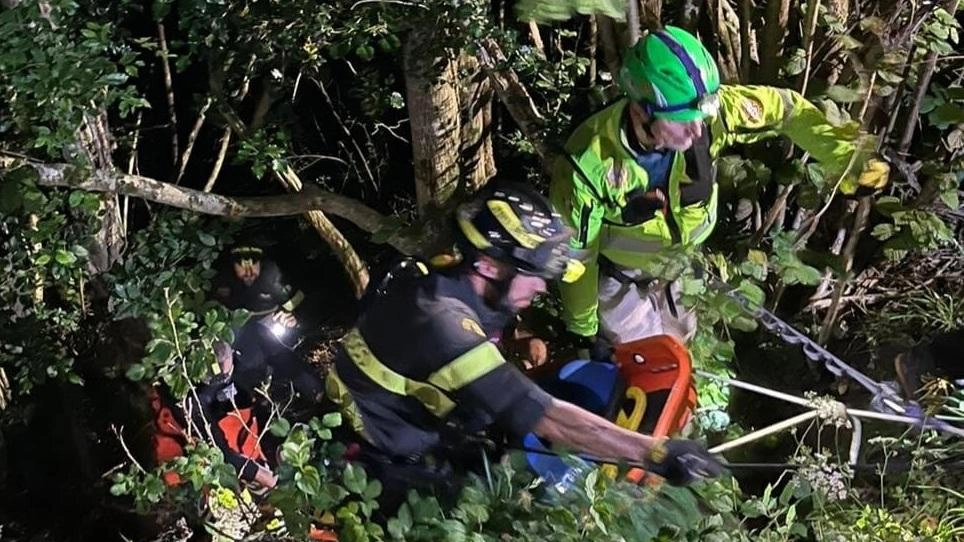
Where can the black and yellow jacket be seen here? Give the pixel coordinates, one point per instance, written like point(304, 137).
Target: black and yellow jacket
point(420, 358)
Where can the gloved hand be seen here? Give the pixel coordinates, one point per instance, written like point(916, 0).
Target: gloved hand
point(595, 348)
point(873, 177)
point(682, 462)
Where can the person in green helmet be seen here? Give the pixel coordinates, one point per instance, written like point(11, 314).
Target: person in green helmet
point(639, 176)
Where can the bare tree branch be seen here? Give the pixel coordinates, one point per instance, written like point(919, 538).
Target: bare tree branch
point(536, 37)
point(219, 161)
point(201, 116)
point(309, 199)
point(169, 86)
point(513, 95)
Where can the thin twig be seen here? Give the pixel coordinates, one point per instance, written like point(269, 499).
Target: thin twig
point(341, 124)
point(391, 130)
point(120, 438)
point(536, 37)
point(219, 162)
point(201, 116)
point(181, 356)
point(169, 87)
point(132, 167)
point(813, 11)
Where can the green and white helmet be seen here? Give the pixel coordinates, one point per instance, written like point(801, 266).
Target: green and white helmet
point(672, 75)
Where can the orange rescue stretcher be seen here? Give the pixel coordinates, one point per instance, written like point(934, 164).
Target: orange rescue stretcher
point(648, 389)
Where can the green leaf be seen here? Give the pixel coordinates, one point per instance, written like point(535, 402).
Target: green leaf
point(79, 251)
point(888, 205)
point(796, 63)
point(883, 232)
point(76, 198)
point(117, 78)
point(753, 508)
point(10, 197)
point(546, 11)
point(354, 479)
point(64, 258)
point(365, 52)
point(751, 291)
point(396, 529)
point(331, 419)
point(309, 480)
point(372, 490)
point(43, 259)
point(842, 94)
point(280, 427)
point(847, 42)
point(207, 239)
point(951, 199)
point(946, 115)
point(136, 372)
point(799, 531)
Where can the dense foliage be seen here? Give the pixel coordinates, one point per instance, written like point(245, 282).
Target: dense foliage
point(251, 98)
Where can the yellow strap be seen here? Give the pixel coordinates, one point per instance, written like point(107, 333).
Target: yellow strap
point(633, 420)
point(630, 422)
point(431, 397)
point(295, 300)
point(468, 367)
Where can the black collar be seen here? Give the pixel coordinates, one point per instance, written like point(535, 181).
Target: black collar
point(459, 287)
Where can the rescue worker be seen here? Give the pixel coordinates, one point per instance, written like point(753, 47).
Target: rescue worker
point(262, 349)
point(255, 283)
point(418, 371)
point(639, 176)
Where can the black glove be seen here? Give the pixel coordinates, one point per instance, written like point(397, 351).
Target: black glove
point(682, 462)
point(594, 348)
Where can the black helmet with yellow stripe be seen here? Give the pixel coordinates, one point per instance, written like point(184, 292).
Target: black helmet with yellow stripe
point(514, 224)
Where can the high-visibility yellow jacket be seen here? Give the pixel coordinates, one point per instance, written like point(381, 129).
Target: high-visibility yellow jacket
point(594, 181)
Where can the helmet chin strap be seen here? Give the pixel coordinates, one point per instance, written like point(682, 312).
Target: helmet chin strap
point(642, 127)
point(499, 301)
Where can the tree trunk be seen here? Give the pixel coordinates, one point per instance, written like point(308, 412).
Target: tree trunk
point(107, 244)
point(727, 26)
point(690, 14)
point(650, 13)
point(771, 44)
point(746, 39)
point(632, 21)
point(431, 85)
point(611, 44)
point(592, 49)
point(477, 161)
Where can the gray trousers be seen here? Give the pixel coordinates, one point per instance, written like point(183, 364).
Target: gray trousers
point(629, 311)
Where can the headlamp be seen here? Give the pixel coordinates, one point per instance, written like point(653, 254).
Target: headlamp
point(708, 105)
point(278, 329)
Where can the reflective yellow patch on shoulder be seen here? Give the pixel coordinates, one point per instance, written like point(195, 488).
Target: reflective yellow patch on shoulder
point(469, 324)
point(752, 108)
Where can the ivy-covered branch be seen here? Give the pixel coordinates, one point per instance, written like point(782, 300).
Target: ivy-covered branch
point(116, 182)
